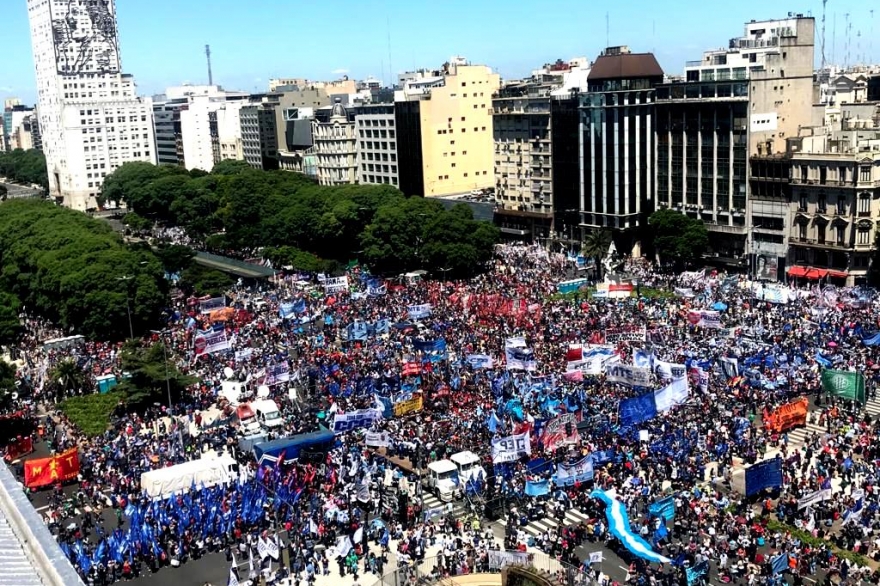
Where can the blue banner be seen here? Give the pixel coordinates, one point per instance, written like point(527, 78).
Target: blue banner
point(539, 488)
point(664, 507)
point(766, 474)
point(638, 409)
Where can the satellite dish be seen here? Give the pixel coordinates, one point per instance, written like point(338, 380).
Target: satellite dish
point(228, 372)
point(263, 391)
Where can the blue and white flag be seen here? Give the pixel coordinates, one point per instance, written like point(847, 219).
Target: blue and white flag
point(376, 290)
point(620, 527)
point(509, 449)
point(520, 359)
point(478, 361)
point(664, 508)
point(537, 488)
point(581, 471)
point(419, 311)
point(698, 571)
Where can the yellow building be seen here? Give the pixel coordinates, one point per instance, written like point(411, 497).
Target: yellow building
point(444, 125)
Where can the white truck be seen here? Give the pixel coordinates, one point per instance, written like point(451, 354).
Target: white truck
point(267, 413)
point(468, 465)
point(442, 480)
point(209, 471)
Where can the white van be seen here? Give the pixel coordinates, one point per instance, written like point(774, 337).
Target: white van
point(267, 413)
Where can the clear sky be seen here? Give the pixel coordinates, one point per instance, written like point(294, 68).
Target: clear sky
point(162, 41)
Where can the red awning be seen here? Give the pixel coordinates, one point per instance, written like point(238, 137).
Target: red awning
point(837, 274)
point(797, 271)
point(810, 272)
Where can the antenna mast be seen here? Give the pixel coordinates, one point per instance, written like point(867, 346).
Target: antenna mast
point(824, 2)
point(210, 73)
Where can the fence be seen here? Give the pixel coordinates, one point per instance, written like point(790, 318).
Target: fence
point(429, 572)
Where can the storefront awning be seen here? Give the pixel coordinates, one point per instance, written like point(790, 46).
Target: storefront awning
point(815, 273)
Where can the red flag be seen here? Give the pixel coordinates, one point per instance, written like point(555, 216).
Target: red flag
point(18, 448)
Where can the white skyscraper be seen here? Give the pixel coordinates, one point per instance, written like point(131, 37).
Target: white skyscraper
point(90, 117)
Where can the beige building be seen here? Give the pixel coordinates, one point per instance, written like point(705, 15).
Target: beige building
point(335, 146)
point(444, 129)
point(835, 202)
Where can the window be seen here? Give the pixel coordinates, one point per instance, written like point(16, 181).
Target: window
point(841, 235)
point(864, 204)
point(453, 164)
point(864, 174)
point(802, 206)
point(820, 231)
point(821, 206)
point(802, 231)
point(864, 236)
point(841, 206)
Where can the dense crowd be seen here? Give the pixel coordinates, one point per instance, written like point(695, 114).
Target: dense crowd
point(340, 513)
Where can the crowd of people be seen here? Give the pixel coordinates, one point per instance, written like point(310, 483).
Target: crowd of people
point(325, 348)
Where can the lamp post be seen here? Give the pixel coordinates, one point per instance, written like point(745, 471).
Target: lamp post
point(161, 334)
point(126, 279)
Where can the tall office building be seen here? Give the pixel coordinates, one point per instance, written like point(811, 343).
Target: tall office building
point(90, 118)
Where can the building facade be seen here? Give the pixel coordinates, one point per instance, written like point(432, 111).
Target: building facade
point(701, 170)
point(21, 127)
point(536, 151)
point(377, 145)
point(444, 129)
point(617, 145)
point(835, 204)
point(168, 130)
point(90, 118)
point(335, 142)
point(259, 133)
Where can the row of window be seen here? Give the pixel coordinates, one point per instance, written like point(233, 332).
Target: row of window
point(377, 134)
point(378, 168)
point(451, 130)
point(863, 235)
point(863, 202)
point(378, 179)
point(476, 174)
point(376, 157)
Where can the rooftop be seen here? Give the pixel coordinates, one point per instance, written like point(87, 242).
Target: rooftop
point(625, 66)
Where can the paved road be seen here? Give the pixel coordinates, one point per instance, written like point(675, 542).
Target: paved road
point(20, 191)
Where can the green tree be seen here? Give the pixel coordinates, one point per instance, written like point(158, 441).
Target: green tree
point(231, 167)
point(10, 325)
point(3, 192)
point(200, 280)
point(22, 166)
point(7, 378)
point(595, 246)
point(68, 376)
point(175, 257)
point(678, 237)
point(148, 369)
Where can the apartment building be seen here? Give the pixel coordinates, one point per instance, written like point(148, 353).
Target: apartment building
point(335, 145)
point(835, 202)
point(259, 132)
point(531, 121)
point(377, 144)
point(444, 130)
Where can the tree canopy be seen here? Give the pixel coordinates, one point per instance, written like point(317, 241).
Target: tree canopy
point(75, 271)
point(7, 378)
point(24, 167)
point(301, 224)
point(678, 237)
point(148, 370)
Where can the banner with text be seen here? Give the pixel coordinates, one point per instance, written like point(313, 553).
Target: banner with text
point(336, 284)
point(631, 376)
point(510, 448)
point(625, 334)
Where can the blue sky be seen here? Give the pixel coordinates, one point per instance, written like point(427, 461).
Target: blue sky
point(163, 41)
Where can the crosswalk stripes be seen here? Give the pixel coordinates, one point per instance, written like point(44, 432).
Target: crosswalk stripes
point(458, 508)
point(539, 526)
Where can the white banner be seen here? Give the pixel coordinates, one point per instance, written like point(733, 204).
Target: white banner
point(277, 373)
point(625, 334)
point(209, 305)
point(336, 284)
point(813, 498)
point(580, 471)
point(377, 440)
point(499, 559)
point(596, 557)
point(631, 376)
point(344, 422)
point(520, 359)
point(704, 319)
point(675, 393)
point(419, 311)
point(241, 355)
point(596, 359)
point(510, 448)
point(210, 342)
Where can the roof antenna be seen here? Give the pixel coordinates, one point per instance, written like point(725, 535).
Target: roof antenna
point(607, 31)
point(210, 73)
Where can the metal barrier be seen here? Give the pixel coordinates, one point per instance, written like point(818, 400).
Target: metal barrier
point(429, 572)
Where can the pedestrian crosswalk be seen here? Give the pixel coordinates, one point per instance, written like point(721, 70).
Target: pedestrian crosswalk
point(458, 509)
point(797, 438)
point(539, 526)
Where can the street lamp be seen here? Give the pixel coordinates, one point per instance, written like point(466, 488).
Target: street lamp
point(161, 334)
point(126, 279)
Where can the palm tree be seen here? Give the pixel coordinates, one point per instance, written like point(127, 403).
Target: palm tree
point(595, 247)
point(68, 376)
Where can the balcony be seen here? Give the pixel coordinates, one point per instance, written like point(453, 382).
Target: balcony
point(724, 228)
point(820, 243)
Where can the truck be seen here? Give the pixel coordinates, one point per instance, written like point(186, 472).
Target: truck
point(442, 480)
point(267, 413)
point(210, 470)
point(247, 420)
point(316, 442)
point(468, 465)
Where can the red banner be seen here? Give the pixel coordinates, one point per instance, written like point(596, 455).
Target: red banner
point(19, 447)
point(46, 471)
point(787, 416)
